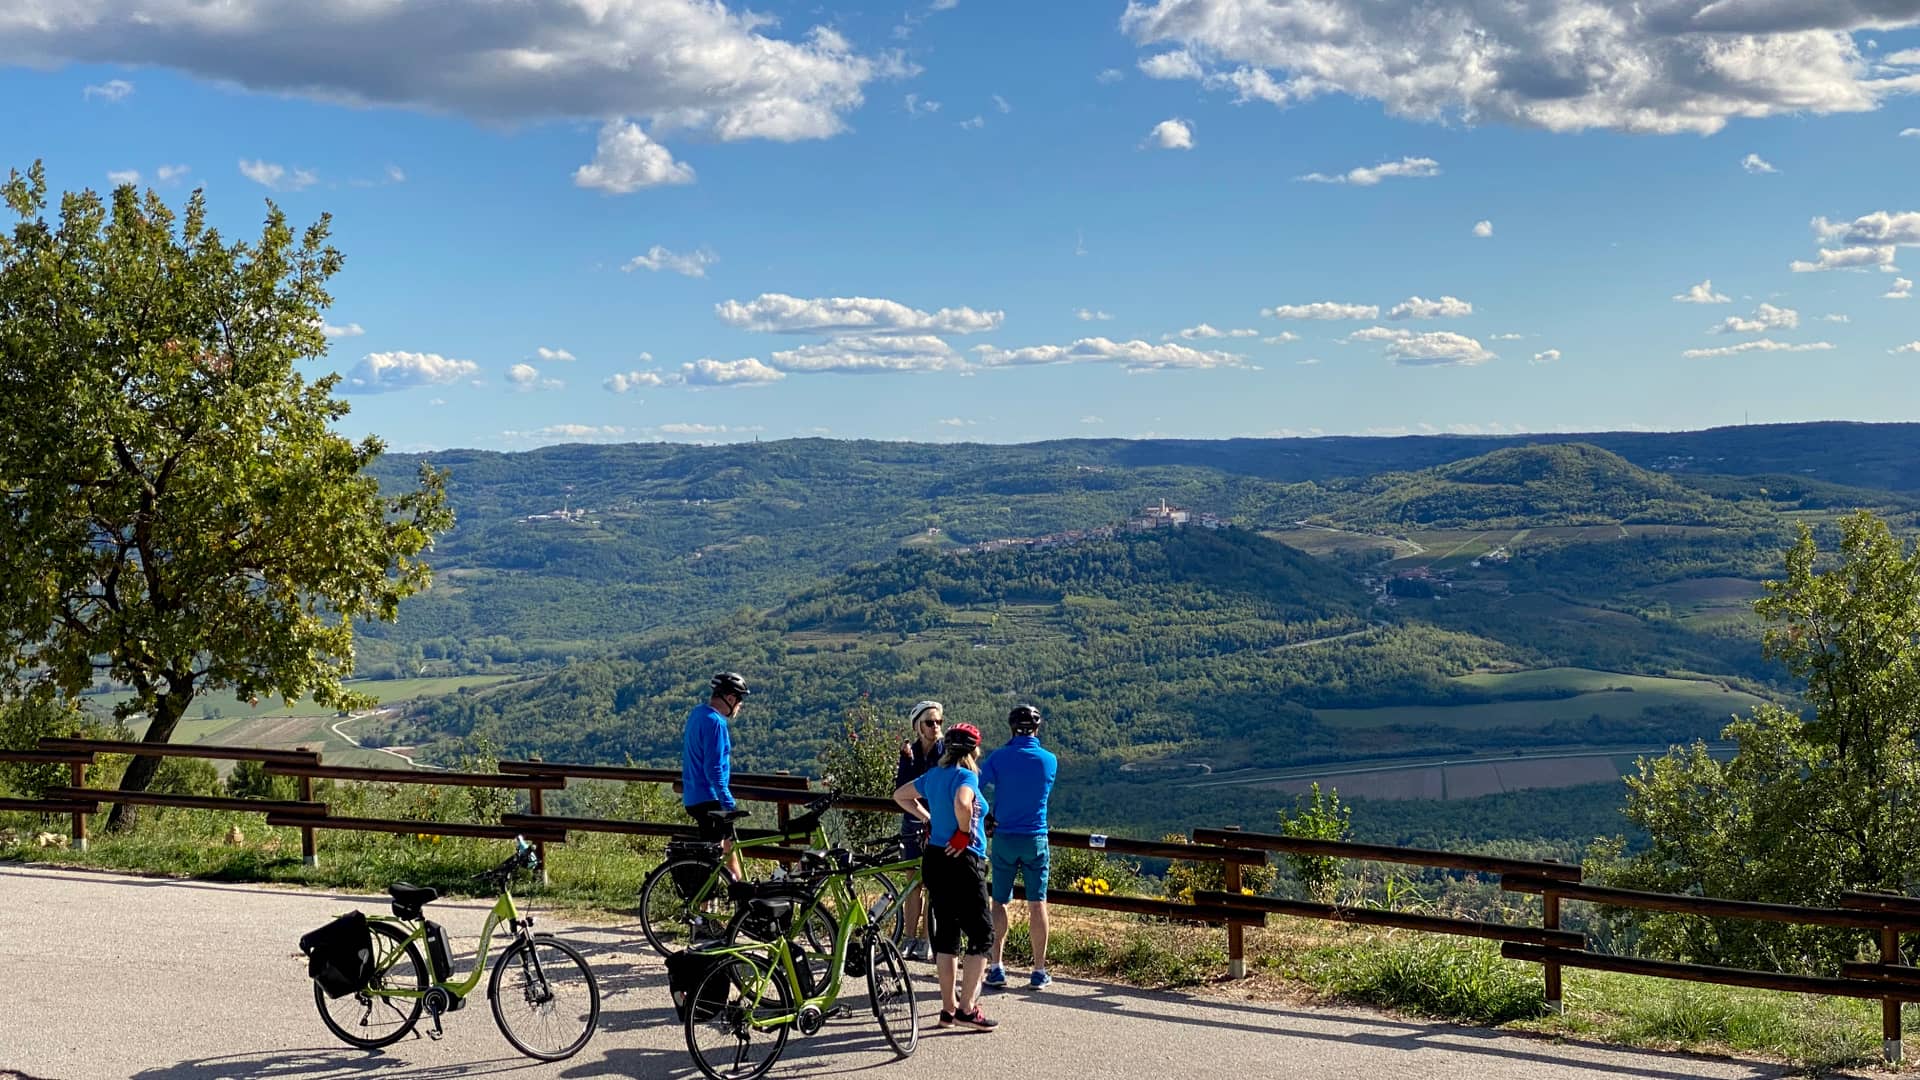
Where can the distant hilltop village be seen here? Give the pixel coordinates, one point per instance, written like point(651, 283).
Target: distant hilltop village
point(1161, 516)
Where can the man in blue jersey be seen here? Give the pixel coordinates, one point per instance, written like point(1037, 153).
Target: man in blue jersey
point(1021, 774)
point(706, 763)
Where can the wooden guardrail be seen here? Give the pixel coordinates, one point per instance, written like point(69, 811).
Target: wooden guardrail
point(1886, 916)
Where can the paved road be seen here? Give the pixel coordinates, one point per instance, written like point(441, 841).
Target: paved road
point(108, 976)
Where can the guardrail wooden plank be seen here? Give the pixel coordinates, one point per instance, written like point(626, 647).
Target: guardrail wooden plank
point(218, 753)
point(1879, 901)
point(48, 757)
point(46, 806)
point(1706, 905)
point(1903, 974)
point(641, 774)
point(1667, 969)
point(1144, 905)
point(1155, 849)
point(424, 776)
point(1403, 920)
point(1347, 849)
point(96, 796)
point(429, 828)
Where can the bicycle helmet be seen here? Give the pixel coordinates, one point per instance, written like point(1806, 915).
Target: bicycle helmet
point(913, 714)
point(1024, 719)
point(963, 737)
point(728, 682)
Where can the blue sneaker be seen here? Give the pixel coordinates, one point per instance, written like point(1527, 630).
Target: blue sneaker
point(1040, 980)
point(996, 977)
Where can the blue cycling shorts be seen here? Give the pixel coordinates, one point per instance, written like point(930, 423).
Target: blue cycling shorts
point(1026, 856)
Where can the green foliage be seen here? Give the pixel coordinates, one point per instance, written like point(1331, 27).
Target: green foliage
point(172, 495)
point(1184, 877)
point(861, 761)
point(1806, 809)
point(1317, 817)
point(24, 721)
point(1431, 975)
point(484, 804)
point(250, 780)
point(1066, 865)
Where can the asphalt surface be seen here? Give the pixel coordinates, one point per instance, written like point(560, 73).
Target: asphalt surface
point(111, 976)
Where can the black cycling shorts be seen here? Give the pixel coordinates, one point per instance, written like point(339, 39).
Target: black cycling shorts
point(957, 888)
point(712, 829)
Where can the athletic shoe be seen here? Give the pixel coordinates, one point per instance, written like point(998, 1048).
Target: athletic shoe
point(918, 949)
point(976, 1020)
point(996, 978)
point(1040, 980)
point(946, 1018)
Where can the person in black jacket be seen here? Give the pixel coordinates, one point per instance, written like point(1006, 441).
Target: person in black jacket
point(919, 753)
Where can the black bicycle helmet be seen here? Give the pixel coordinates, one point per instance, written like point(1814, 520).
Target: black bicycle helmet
point(1024, 719)
point(728, 682)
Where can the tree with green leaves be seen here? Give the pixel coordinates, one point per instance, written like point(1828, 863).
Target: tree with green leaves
point(176, 511)
point(1807, 808)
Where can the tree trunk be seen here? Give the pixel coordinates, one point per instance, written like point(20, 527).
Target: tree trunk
point(168, 709)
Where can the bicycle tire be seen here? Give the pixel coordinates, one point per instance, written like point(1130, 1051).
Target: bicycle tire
point(671, 928)
point(890, 905)
point(890, 993)
point(750, 990)
point(369, 1002)
point(541, 984)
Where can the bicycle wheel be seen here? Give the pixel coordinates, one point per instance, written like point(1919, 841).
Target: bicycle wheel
point(721, 1012)
point(368, 1018)
point(890, 991)
point(668, 919)
point(549, 1003)
point(818, 935)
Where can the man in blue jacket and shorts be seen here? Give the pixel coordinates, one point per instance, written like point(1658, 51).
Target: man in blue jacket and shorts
point(706, 763)
point(1021, 774)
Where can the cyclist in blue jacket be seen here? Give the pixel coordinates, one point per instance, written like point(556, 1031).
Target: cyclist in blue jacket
point(706, 763)
point(1021, 774)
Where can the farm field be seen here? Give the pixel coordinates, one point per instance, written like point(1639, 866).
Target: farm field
point(1615, 697)
point(1466, 778)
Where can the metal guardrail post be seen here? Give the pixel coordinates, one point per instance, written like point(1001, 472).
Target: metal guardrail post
point(309, 845)
point(1550, 907)
point(537, 807)
point(1890, 1007)
point(1236, 933)
point(78, 771)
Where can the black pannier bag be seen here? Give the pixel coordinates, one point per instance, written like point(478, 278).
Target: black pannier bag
point(687, 972)
point(340, 954)
point(686, 878)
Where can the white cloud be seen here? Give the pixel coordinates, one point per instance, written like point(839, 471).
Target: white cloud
point(1001, 104)
point(1092, 420)
point(1910, 133)
point(167, 174)
point(707, 429)
point(918, 107)
point(383, 371)
point(1872, 230)
point(277, 177)
point(1133, 355)
point(625, 160)
point(1193, 333)
point(1757, 345)
point(1089, 315)
point(123, 176)
point(1367, 176)
point(634, 380)
point(1432, 348)
point(1766, 317)
point(1836, 318)
point(870, 353)
point(522, 374)
point(547, 354)
point(1903, 58)
point(1849, 258)
point(1171, 135)
point(110, 91)
point(1902, 289)
point(706, 65)
point(571, 433)
point(975, 124)
point(1754, 163)
point(352, 329)
point(1177, 64)
point(1909, 347)
point(437, 402)
point(1110, 76)
point(1322, 309)
point(1506, 337)
point(782, 314)
point(955, 421)
point(1281, 338)
point(1701, 294)
point(943, 5)
point(1447, 307)
point(1562, 65)
point(1483, 229)
point(1548, 356)
point(396, 175)
point(687, 264)
point(747, 372)
point(1308, 361)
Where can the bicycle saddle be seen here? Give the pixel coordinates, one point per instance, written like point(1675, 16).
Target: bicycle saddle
point(728, 815)
point(409, 899)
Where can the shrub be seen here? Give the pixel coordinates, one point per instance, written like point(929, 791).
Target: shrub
point(1184, 878)
point(1319, 817)
point(1066, 866)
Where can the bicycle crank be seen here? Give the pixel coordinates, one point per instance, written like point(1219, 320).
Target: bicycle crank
point(811, 1020)
point(438, 1001)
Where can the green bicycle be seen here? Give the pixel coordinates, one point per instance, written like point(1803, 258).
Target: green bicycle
point(371, 983)
point(686, 898)
point(741, 1001)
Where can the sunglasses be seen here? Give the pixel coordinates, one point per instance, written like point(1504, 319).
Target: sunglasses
point(929, 723)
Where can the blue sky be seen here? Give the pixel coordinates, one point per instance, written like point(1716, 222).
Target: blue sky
point(615, 220)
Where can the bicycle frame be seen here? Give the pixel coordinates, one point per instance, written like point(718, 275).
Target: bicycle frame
point(503, 911)
point(706, 891)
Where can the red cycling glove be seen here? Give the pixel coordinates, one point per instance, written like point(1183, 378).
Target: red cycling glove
point(959, 842)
